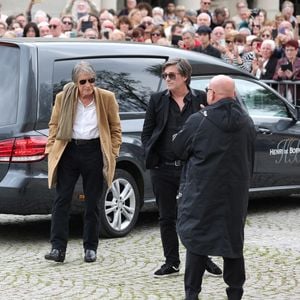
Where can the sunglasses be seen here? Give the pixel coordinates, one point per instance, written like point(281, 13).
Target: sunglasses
point(254, 25)
point(67, 23)
point(53, 26)
point(207, 3)
point(266, 35)
point(171, 75)
point(90, 80)
point(229, 42)
point(155, 34)
point(208, 89)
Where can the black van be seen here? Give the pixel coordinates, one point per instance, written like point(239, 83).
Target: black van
point(35, 70)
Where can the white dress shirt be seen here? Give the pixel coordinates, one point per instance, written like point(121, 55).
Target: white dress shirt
point(85, 125)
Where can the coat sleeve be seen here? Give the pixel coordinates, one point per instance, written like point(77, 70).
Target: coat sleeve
point(149, 122)
point(115, 126)
point(53, 123)
point(183, 140)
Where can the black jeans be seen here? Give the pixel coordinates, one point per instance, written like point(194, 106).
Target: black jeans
point(85, 160)
point(165, 181)
point(234, 276)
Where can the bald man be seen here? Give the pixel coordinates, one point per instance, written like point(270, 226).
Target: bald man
point(217, 144)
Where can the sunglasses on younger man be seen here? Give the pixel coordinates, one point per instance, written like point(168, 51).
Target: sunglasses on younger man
point(171, 75)
point(90, 80)
point(53, 26)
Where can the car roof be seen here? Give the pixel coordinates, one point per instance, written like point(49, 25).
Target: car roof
point(62, 48)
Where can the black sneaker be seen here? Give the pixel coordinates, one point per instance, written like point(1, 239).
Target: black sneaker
point(166, 270)
point(212, 268)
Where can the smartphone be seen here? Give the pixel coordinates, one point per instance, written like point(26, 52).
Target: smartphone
point(85, 25)
point(285, 67)
point(176, 39)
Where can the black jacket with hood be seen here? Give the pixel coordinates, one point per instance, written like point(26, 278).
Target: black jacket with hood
point(218, 146)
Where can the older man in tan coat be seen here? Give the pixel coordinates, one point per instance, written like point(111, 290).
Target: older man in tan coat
point(84, 139)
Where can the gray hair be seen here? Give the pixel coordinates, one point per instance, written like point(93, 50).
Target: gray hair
point(82, 67)
point(183, 66)
point(271, 43)
point(191, 30)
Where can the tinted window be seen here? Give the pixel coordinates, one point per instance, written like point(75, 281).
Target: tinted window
point(259, 100)
point(132, 80)
point(9, 85)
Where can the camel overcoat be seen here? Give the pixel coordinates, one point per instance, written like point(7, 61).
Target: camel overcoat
point(109, 128)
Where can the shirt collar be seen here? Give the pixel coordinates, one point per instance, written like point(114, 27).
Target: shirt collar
point(188, 96)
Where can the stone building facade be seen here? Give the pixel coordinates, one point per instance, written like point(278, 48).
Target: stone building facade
point(54, 7)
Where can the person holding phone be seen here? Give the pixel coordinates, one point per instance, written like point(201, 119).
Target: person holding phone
point(288, 68)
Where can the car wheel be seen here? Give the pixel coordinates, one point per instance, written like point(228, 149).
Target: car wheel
point(120, 206)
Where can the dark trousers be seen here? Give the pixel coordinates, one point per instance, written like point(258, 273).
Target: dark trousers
point(85, 160)
point(165, 183)
point(233, 275)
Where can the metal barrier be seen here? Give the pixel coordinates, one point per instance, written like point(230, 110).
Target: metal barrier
point(287, 88)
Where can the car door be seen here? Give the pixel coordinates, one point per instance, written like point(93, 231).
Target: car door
point(9, 102)
point(277, 155)
point(277, 148)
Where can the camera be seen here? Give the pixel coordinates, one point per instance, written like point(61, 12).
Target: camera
point(255, 12)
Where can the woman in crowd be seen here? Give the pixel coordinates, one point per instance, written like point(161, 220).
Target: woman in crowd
point(228, 26)
point(157, 32)
point(145, 8)
point(288, 68)
point(67, 23)
point(31, 30)
point(135, 17)
point(263, 66)
point(233, 51)
point(124, 25)
point(265, 33)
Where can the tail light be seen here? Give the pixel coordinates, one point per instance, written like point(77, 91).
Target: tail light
point(25, 149)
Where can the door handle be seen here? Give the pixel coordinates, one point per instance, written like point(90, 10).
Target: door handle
point(264, 130)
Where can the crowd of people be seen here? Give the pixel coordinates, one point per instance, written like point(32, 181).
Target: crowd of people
point(248, 39)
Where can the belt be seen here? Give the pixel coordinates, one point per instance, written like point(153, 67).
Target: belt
point(175, 163)
point(84, 142)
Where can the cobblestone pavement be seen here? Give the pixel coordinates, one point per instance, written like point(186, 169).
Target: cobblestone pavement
point(124, 266)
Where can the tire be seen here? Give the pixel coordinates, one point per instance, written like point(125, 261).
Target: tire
point(120, 206)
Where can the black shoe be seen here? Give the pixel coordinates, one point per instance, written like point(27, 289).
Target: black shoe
point(166, 270)
point(90, 255)
point(212, 268)
point(56, 255)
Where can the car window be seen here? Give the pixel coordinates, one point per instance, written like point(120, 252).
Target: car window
point(9, 84)
point(132, 80)
point(199, 83)
point(259, 100)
